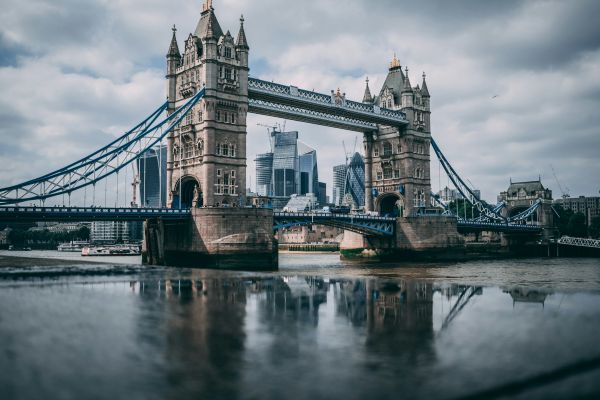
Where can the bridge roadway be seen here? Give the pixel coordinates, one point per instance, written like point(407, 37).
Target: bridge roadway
point(361, 223)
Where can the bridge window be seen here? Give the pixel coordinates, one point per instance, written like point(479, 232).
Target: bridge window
point(387, 172)
point(228, 73)
point(188, 148)
point(376, 151)
point(225, 149)
point(228, 52)
point(200, 116)
point(396, 173)
point(379, 174)
point(398, 148)
point(387, 149)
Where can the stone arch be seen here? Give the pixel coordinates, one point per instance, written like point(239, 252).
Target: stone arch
point(188, 193)
point(390, 204)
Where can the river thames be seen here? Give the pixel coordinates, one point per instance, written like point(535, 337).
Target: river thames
point(317, 328)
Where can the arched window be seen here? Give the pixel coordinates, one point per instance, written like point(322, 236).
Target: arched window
point(200, 147)
point(387, 149)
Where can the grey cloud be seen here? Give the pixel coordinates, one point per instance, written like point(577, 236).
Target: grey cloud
point(107, 55)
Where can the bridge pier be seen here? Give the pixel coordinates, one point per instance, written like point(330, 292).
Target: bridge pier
point(227, 238)
point(423, 237)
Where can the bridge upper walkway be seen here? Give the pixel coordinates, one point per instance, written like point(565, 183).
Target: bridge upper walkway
point(290, 102)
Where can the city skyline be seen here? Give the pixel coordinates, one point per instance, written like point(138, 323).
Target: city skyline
point(514, 115)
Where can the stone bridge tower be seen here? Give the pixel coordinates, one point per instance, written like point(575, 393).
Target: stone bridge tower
point(206, 163)
point(397, 176)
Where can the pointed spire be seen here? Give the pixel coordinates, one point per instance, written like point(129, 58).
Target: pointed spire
point(424, 90)
point(173, 48)
point(241, 39)
point(208, 26)
point(367, 98)
point(207, 5)
point(395, 63)
point(407, 87)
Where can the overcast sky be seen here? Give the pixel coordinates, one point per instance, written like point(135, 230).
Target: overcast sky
point(515, 85)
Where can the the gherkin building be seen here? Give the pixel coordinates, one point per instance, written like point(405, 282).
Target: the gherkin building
point(354, 186)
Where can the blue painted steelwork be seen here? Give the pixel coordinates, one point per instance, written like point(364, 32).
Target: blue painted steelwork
point(364, 224)
point(274, 99)
point(522, 216)
point(479, 226)
point(464, 189)
point(102, 163)
point(36, 214)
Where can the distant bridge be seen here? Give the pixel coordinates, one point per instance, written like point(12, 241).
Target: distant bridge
point(579, 242)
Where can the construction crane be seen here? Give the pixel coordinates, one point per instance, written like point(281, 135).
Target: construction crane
point(134, 184)
point(565, 191)
point(346, 154)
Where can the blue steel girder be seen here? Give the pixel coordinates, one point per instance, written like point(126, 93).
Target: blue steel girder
point(364, 224)
point(480, 226)
point(278, 100)
point(102, 163)
point(83, 214)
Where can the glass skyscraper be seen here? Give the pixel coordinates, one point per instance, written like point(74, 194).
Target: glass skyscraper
point(339, 179)
point(354, 185)
point(289, 168)
point(152, 170)
point(264, 174)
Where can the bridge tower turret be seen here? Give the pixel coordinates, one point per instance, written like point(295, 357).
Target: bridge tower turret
point(173, 61)
point(400, 156)
point(207, 151)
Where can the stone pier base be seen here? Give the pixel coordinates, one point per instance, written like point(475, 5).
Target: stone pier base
point(426, 237)
point(224, 238)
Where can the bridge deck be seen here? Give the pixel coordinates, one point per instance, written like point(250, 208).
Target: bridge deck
point(361, 223)
point(35, 214)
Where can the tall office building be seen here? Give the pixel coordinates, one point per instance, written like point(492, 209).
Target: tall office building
point(322, 197)
point(152, 169)
point(339, 178)
point(285, 163)
point(354, 185)
point(289, 168)
point(110, 232)
point(309, 175)
point(264, 174)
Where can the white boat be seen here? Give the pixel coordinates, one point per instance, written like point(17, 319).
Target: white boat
point(72, 247)
point(114, 250)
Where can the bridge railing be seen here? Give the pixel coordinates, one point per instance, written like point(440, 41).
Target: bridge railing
point(334, 215)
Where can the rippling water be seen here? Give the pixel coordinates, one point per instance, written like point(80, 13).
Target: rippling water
point(318, 328)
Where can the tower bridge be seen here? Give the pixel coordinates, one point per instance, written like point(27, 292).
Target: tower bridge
point(209, 94)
